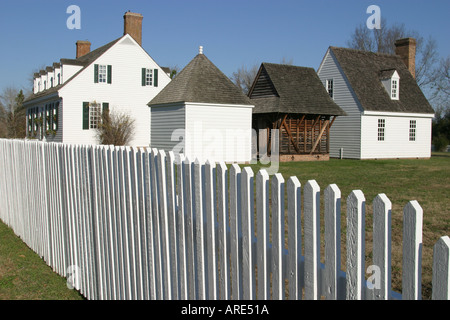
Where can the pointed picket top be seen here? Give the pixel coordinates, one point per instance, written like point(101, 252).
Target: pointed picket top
point(311, 208)
point(382, 209)
point(412, 251)
point(332, 217)
point(441, 269)
point(262, 225)
point(294, 237)
point(355, 245)
point(277, 236)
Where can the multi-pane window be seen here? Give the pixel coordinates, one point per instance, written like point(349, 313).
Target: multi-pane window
point(381, 127)
point(102, 73)
point(394, 89)
point(148, 77)
point(95, 115)
point(412, 130)
point(329, 85)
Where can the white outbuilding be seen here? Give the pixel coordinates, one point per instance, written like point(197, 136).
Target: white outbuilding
point(202, 114)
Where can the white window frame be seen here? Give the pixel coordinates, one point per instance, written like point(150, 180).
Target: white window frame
point(95, 114)
point(330, 87)
point(148, 77)
point(394, 89)
point(102, 73)
point(381, 129)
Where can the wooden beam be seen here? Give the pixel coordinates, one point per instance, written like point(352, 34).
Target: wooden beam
point(289, 133)
point(320, 136)
point(333, 121)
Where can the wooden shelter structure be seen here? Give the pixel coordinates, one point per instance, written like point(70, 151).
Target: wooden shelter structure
point(293, 100)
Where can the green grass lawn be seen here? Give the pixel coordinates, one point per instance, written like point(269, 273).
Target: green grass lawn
point(23, 275)
point(424, 180)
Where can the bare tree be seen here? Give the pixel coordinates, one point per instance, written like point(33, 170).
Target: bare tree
point(116, 128)
point(12, 113)
point(383, 41)
point(243, 77)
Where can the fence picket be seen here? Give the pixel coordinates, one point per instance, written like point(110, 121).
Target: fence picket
point(189, 226)
point(248, 277)
point(412, 251)
point(382, 250)
point(312, 239)
point(235, 233)
point(277, 236)
point(210, 213)
point(441, 269)
point(222, 206)
point(199, 220)
point(172, 222)
point(125, 223)
point(332, 217)
point(164, 225)
point(294, 238)
point(182, 259)
point(355, 245)
point(262, 224)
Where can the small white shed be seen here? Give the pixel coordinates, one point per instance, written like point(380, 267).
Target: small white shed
point(202, 114)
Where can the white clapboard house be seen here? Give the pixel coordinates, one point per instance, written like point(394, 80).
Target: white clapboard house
point(202, 114)
point(69, 96)
point(388, 116)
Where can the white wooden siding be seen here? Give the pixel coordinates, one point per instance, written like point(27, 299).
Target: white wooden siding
point(68, 71)
point(164, 121)
point(219, 132)
point(346, 130)
point(124, 94)
point(396, 142)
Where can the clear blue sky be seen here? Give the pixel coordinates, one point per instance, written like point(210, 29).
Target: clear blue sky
point(33, 33)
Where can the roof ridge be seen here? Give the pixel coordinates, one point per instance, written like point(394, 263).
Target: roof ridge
point(366, 52)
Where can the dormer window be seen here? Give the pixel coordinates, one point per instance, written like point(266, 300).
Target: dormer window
point(394, 89)
point(391, 82)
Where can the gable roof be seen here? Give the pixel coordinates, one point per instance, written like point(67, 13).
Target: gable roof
point(202, 82)
point(364, 71)
point(291, 89)
point(83, 61)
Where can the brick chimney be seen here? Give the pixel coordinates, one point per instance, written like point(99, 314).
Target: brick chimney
point(133, 26)
point(406, 49)
point(83, 47)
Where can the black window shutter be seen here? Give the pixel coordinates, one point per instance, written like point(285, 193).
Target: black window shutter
point(143, 76)
point(95, 73)
point(155, 77)
point(85, 115)
point(105, 106)
point(109, 74)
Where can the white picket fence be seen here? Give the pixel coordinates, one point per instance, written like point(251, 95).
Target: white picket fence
point(122, 223)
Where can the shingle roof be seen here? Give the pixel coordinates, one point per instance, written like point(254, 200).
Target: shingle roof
point(364, 71)
point(291, 89)
point(201, 81)
point(83, 61)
